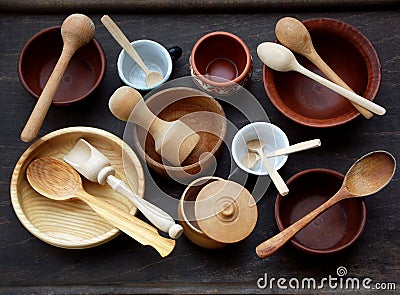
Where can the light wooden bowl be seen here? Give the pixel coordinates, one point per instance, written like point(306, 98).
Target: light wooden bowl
point(73, 224)
point(199, 111)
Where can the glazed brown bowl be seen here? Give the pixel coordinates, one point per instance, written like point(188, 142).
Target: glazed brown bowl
point(221, 63)
point(332, 231)
point(349, 53)
point(39, 56)
point(199, 111)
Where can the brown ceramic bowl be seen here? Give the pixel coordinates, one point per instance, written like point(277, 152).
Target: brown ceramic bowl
point(335, 229)
point(39, 56)
point(221, 63)
point(199, 111)
point(349, 53)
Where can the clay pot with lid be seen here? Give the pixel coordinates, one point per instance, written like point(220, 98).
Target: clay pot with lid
point(215, 212)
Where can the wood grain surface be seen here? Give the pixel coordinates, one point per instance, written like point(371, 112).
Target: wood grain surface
point(29, 266)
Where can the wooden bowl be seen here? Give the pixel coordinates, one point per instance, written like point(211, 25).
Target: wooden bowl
point(335, 229)
point(349, 53)
point(38, 58)
point(200, 112)
point(72, 223)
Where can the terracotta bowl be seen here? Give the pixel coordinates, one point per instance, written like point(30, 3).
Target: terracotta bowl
point(39, 56)
point(349, 53)
point(72, 223)
point(335, 229)
point(200, 112)
point(220, 63)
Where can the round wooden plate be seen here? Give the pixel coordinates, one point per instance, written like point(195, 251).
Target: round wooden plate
point(73, 224)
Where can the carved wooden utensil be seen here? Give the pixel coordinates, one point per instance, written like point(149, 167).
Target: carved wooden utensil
point(57, 180)
point(77, 30)
point(366, 176)
point(174, 141)
point(96, 167)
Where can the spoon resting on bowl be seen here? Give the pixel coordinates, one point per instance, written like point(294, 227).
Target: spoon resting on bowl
point(77, 30)
point(57, 180)
point(294, 35)
point(256, 146)
point(152, 77)
point(250, 159)
point(279, 58)
point(366, 176)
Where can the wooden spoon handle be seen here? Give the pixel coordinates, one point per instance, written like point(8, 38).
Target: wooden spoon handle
point(120, 37)
point(131, 225)
point(275, 177)
point(270, 246)
point(369, 105)
point(155, 215)
point(301, 146)
point(39, 112)
point(327, 70)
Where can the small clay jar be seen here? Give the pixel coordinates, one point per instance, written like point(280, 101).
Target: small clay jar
point(215, 212)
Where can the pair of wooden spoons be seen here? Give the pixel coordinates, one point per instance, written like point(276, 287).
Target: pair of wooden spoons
point(293, 34)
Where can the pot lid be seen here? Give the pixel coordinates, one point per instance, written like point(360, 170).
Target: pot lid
point(225, 211)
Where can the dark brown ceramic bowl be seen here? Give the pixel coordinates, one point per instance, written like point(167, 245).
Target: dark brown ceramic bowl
point(199, 111)
point(335, 229)
point(39, 57)
point(349, 53)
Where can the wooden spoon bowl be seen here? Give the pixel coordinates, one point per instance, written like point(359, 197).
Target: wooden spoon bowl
point(308, 103)
point(197, 110)
point(335, 229)
point(72, 223)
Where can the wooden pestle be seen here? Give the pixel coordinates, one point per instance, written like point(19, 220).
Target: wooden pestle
point(174, 141)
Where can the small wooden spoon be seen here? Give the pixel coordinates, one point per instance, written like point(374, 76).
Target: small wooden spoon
point(256, 146)
point(279, 58)
point(295, 36)
point(57, 180)
point(77, 30)
point(365, 177)
point(152, 77)
point(174, 141)
point(250, 159)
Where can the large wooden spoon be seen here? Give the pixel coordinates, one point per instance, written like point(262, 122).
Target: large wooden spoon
point(279, 58)
point(57, 180)
point(365, 177)
point(294, 35)
point(152, 77)
point(77, 30)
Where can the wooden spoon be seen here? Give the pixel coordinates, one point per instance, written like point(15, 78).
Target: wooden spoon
point(152, 77)
point(250, 159)
point(174, 140)
point(279, 58)
point(77, 30)
point(295, 36)
point(57, 180)
point(365, 177)
point(256, 146)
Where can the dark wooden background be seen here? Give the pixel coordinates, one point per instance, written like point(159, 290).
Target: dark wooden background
point(29, 266)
